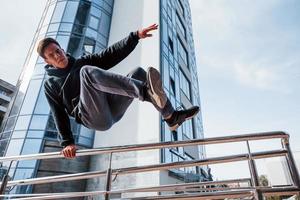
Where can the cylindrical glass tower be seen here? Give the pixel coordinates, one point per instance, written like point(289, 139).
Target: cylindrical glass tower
point(81, 27)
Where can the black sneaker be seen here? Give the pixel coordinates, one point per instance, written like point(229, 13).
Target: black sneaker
point(180, 116)
point(155, 88)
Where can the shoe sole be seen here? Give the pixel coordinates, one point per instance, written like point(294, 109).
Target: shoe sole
point(173, 128)
point(159, 95)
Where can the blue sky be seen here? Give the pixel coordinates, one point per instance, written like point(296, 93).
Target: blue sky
point(247, 55)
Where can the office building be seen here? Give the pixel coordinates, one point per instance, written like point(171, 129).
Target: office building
point(87, 26)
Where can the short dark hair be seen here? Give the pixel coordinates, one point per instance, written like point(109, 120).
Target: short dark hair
point(43, 44)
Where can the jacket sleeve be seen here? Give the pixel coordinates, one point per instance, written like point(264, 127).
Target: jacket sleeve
point(114, 54)
point(60, 116)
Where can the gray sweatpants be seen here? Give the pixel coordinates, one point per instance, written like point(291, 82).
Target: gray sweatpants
point(105, 96)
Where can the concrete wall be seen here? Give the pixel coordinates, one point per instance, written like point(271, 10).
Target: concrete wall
point(141, 123)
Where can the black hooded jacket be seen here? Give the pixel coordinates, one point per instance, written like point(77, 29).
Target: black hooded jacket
point(62, 87)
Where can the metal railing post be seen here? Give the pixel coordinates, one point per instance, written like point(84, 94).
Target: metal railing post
point(5, 179)
point(291, 162)
point(108, 178)
point(253, 173)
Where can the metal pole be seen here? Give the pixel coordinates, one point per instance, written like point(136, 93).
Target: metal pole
point(291, 162)
point(253, 173)
point(5, 180)
point(150, 146)
point(108, 178)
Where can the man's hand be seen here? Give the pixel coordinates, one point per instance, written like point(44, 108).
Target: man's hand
point(144, 33)
point(69, 151)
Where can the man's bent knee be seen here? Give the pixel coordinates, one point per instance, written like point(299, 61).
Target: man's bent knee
point(139, 73)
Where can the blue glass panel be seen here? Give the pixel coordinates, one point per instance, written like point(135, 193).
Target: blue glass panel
point(30, 98)
point(107, 7)
point(42, 106)
point(95, 11)
point(35, 134)
point(85, 141)
point(66, 27)
point(70, 11)
point(38, 122)
point(22, 122)
point(53, 27)
point(20, 175)
point(88, 133)
point(18, 134)
point(39, 69)
point(10, 123)
point(104, 24)
point(31, 146)
point(94, 22)
point(91, 33)
point(63, 41)
point(58, 12)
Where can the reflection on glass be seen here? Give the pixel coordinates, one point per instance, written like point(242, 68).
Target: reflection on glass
point(14, 147)
point(63, 41)
point(30, 98)
point(10, 123)
point(70, 12)
point(51, 134)
point(31, 146)
point(66, 27)
point(35, 134)
point(39, 69)
point(94, 22)
point(58, 12)
point(18, 134)
point(73, 47)
point(82, 12)
point(185, 85)
point(38, 122)
point(53, 27)
point(42, 106)
point(85, 141)
point(95, 11)
point(89, 133)
point(182, 52)
point(22, 122)
point(20, 175)
point(89, 45)
point(91, 33)
point(104, 24)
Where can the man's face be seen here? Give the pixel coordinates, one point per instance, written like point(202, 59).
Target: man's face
point(55, 56)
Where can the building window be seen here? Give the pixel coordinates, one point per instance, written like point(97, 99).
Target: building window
point(180, 26)
point(185, 85)
point(182, 53)
point(172, 86)
point(187, 129)
point(171, 47)
point(180, 7)
point(190, 170)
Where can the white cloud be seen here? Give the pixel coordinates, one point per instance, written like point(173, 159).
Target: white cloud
point(255, 75)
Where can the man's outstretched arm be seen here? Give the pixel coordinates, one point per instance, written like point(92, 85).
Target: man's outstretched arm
point(114, 54)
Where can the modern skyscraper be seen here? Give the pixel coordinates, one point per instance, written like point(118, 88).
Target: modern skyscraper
point(87, 26)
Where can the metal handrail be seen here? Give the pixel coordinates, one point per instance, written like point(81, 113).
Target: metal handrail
point(147, 168)
point(254, 190)
point(150, 146)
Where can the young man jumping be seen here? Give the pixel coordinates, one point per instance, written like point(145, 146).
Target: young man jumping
point(84, 89)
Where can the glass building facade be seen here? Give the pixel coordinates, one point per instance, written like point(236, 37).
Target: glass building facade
point(81, 27)
point(179, 71)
